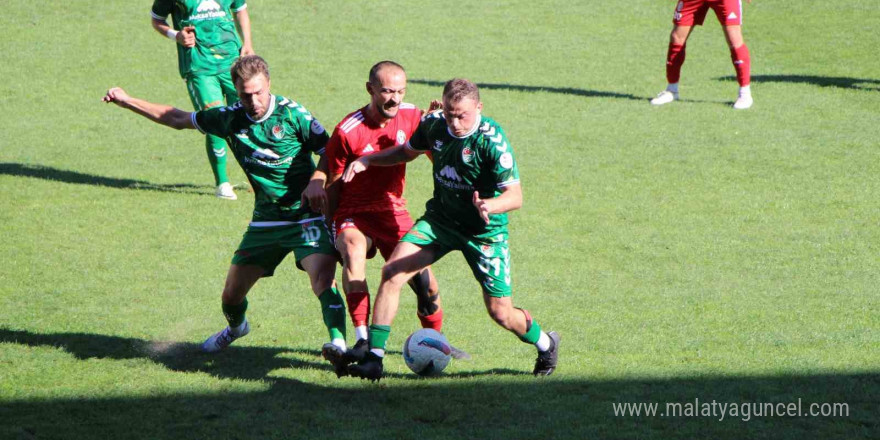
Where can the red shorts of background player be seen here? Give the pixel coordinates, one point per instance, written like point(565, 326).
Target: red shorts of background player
point(693, 12)
point(384, 228)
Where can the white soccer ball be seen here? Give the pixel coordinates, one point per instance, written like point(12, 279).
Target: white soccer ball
point(426, 352)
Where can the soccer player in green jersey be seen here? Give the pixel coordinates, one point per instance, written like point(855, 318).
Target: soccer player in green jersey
point(207, 45)
point(272, 138)
point(476, 182)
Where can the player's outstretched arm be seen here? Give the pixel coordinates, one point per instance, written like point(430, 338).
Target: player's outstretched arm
point(510, 199)
point(243, 20)
point(384, 158)
point(159, 113)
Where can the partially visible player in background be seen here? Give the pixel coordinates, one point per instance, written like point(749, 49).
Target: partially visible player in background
point(207, 45)
point(476, 183)
point(271, 137)
point(369, 212)
point(689, 13)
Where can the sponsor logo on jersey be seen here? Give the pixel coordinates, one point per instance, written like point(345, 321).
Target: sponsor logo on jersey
point(401, 137)
point(368, 149)
point(506, 161)
point(450, 173)
point(438, 145)
point(467, 154)
point(208, 9)
point(278, 132)
point(317, 128)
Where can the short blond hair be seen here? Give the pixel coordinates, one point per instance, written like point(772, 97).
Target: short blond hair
point(248, 67)
point(457, 89)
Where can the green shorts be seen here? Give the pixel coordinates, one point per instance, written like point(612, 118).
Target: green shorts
point(267, 246)
point(489, 258)
point(211, 91)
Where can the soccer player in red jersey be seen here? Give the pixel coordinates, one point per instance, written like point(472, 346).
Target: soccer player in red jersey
point(369, 213)
point(689, 13)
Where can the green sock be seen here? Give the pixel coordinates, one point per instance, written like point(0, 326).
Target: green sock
point(379, 336)
point(216, 149)
point(333, 309)
point(235, 313)
point(533, 332)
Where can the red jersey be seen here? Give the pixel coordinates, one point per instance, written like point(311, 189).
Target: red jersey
point(377, 188)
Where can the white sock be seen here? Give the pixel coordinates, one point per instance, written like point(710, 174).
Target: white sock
point(378, 352)
point(236, 331)
point(362, 332)
point(672, 87)
point(745, 91)
point(543, 343)
point(339, 343)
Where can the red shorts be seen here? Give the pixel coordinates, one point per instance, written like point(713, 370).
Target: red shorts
point(383, 228)
point(693, 12)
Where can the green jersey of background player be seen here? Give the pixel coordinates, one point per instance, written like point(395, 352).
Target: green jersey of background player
point(273, 139)
point(207, 45)
point(476, 182)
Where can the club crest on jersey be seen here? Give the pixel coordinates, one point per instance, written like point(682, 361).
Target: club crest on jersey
point(487, 250)
point(401, 137)
point(506, 161)
point(467, 154)
point(278, 132)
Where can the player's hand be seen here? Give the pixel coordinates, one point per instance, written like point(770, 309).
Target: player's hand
point(316, 196)
point(246, 50)
point(187, 37)
point(432, 107)
point(482, 207)
point(358, 166)
point(116, 95)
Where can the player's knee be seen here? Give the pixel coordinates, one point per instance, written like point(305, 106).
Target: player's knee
point(394, 274)
point(500, 314)
point(233, 293)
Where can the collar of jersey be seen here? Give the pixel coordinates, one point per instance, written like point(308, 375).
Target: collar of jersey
point(268, 112)
point(472, 130)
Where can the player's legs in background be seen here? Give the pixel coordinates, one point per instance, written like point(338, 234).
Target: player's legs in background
point(352, 244)
point(675, 56)
point(427, 291)
point(239, 281)
point(742, 63)
point(206, 92)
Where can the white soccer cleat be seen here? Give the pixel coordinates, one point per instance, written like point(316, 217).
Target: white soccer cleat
point(665, 97)
point(224, 191)
point(743, 102)
point(220, 340)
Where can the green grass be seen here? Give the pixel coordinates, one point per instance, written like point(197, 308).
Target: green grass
point(683, 252)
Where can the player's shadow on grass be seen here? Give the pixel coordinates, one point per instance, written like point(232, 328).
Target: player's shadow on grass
point(558, 407)
point(841, 82)
point(75, 177)
point(540, 89)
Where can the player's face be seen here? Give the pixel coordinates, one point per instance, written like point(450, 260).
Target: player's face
point(462, 115)
point(254, 95)
point(388, 92)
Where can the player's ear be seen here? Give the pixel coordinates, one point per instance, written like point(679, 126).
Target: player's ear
point(369, 88)
point(479, 107)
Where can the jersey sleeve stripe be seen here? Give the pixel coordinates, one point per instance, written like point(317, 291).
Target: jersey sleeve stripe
point(157, 16)
point(410, 147)
point(352, 122)
point(508, 183)
point(406, 105)
point(192, 117)
point(242, 8)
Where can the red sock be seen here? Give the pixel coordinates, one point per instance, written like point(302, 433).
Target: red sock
point(434, 320)
point(742, 62)
point(358, 307)
point(674, 61)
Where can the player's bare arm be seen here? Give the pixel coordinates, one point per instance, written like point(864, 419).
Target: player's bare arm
point(384, 158)
point(243, 21)
point(510, 199)
point(159, 113)
point(315, 193)
point(186, 37)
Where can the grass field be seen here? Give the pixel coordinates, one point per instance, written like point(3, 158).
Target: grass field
point(683, 252)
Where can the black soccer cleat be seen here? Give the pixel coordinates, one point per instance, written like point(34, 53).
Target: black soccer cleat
point(336, 357)
point(545, 365)
point(357, 352)
point(369, 368)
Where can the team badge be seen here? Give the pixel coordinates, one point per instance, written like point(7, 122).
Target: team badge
point(317, 128)
point(467, 155)
point(487, 250)
point(506, 161)
point(401, 137)
point(278, 132)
